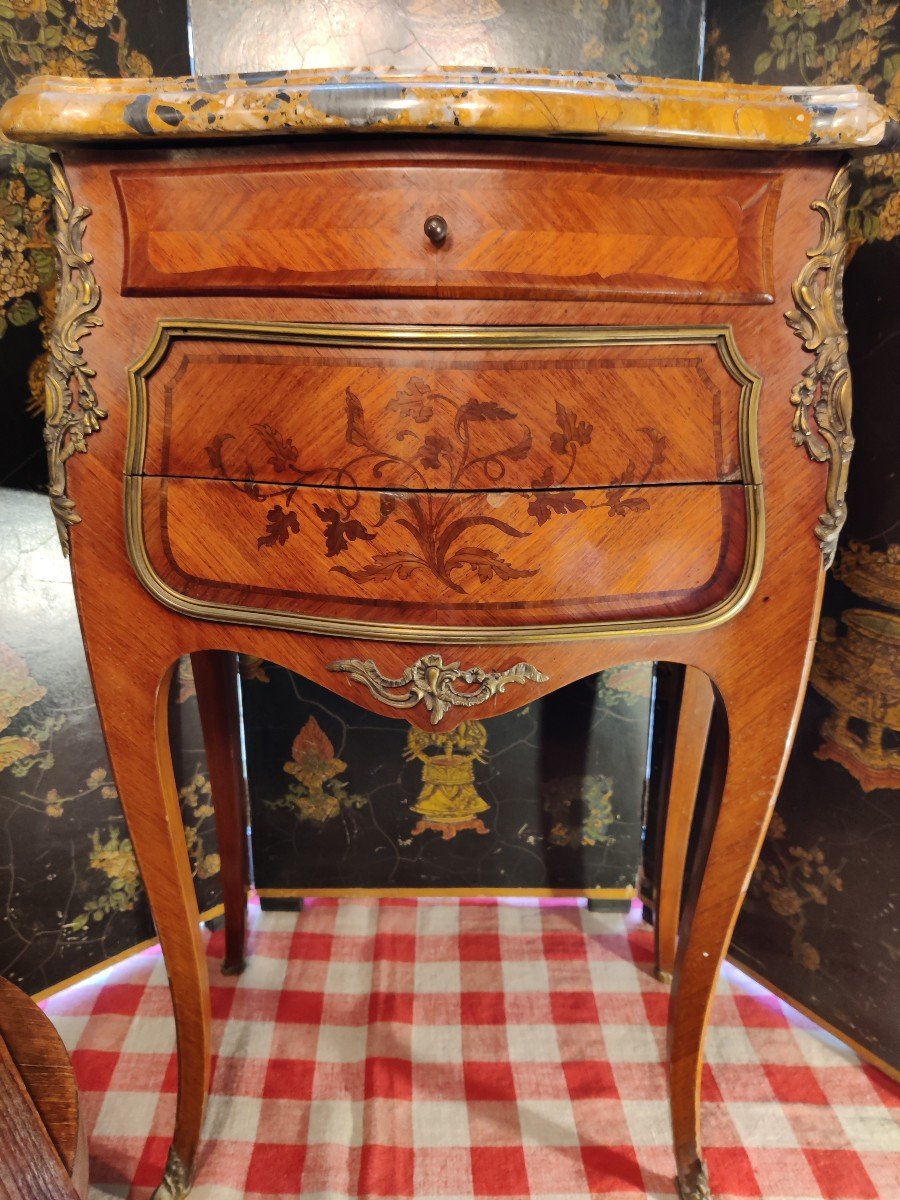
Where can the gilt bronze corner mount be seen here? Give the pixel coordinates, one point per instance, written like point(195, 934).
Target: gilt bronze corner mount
point(822, 396)
point(71, 411)
point(176, 1182)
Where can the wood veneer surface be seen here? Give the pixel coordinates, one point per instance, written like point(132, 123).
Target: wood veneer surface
point(444, 558)
point(37, 1055)
point(757, 660)
point(474, 419)
point(542, 229)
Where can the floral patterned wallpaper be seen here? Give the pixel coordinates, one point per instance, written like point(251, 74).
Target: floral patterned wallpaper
point(820, 922)
point(56, 37)
point(70, 891)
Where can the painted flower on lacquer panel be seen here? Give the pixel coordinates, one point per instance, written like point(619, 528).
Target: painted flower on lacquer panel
point(313, 760)
point(113, 857)
point(580, 809)
point(254, 668)
point(832, 42)
point(95, 13)
point(17, 691)
point(318, 794)
point(632, 680)
point(45, 37)
point(196, 810)
point(795, 880)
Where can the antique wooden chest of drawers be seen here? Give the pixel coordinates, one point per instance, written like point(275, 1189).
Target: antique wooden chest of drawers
point(446, 423)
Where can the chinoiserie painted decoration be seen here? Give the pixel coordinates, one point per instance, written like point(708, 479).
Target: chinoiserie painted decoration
point(820, 919)
point(546, 797)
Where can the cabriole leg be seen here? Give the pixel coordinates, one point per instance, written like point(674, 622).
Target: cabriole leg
point(690, 747)
point(216, 678)
point(132, 697)
point(761, 704)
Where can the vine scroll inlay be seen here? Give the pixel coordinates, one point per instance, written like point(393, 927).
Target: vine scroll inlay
point(71, 412)
point(822, 396)
point(434, 682)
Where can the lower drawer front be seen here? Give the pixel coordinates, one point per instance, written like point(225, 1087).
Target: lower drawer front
point(475, 560)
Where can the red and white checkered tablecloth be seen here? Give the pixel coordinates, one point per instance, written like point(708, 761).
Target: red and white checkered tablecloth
point(456, 1049)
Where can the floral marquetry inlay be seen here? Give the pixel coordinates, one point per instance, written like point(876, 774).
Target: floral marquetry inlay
point(375, 478)
point(436, 528)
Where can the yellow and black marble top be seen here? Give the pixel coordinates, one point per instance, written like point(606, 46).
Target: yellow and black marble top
point(614, 108)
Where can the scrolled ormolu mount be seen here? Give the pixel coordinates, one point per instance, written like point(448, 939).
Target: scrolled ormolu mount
point(432, 681)
point(823, 391)
point(71, 409)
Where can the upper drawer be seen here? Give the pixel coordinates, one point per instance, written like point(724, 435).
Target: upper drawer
point(436, 407)
point(539, 228)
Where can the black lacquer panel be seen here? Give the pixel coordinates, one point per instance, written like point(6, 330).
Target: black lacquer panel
point(71, 891)
point(548, 796)
point(820, 922)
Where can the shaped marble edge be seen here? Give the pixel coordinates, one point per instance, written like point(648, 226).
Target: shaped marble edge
point(504, 102)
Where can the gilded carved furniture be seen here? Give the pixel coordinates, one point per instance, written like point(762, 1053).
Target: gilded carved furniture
point(445, 423)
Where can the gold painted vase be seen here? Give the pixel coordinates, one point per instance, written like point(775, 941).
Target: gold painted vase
point(449, 801)
point(859, 673)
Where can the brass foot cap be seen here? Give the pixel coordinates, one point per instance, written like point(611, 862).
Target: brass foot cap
point(176, 1182)
point(230, 968)
point(695, 1184)
point(663, 976)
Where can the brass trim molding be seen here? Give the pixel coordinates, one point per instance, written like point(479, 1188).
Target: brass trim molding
point(448, 337)
point(299, 893)
point(71, 410)
point(823, 391)
point(433, 682)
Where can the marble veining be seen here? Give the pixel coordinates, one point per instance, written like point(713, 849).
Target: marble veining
point(532, 103)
